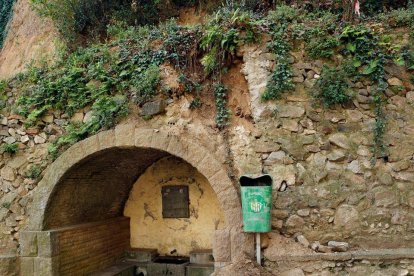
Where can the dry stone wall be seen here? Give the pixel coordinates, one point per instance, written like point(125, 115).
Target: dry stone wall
point(327, 186)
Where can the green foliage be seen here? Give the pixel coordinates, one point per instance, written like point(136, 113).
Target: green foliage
point(332, 88)
point(6, 205)
point(322, 47)
point(11, 148)
point(146, 84)
point(281, 79)
point(196, 103)
point(407, 56)
point(224, 33)
point(379, 148)
point(6, 11)
point(106, 111)
point(34, 172)
point(365, 49)
point(222, 112)
point(3, 95)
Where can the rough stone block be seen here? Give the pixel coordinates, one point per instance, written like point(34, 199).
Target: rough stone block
point(28, 244)
point(48, 244)
point(46, 266)
point(106, 139)
point(91, 145)
point(153, 108)
point(125, 135)
point(143, 137)
point(208, 166)
point(241, 243)
point(222, 246)
point(160, 140)
point(9, 265)
point(27, 266)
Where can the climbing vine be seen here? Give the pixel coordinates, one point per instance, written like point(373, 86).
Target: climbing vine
point(6, 12)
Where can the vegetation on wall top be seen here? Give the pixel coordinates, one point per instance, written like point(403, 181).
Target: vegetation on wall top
point(123, 69)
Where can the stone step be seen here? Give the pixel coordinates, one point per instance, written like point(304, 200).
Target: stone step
point(141, 255)
point(202, 257)
point(121, 269)
point(199, 270)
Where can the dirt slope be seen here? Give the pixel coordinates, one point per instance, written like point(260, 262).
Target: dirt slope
point(30, 38)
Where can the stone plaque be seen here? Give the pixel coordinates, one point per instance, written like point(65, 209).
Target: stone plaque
point(175, 202)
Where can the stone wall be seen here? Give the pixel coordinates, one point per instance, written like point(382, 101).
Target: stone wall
point(149, 229)
point(327, 186)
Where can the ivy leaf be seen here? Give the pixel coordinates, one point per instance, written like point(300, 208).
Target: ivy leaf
point(368, 70)
point(351, 47)
point(399, 61)
point(356, 63)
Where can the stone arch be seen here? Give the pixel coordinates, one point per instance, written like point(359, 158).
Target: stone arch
point(128, 137)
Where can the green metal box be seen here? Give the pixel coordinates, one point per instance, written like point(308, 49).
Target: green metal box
point(256, 195)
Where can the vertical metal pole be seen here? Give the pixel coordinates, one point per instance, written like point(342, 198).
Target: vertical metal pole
point(258, 249)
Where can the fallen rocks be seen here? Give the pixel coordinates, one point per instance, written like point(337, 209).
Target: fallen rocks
point(338, 246)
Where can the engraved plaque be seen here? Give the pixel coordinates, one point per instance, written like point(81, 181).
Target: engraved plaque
point(175, 202)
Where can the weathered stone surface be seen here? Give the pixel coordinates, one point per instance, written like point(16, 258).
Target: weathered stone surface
point(340, 140)
point(346, 216)
point(7, 173)
point(385, 197)
point(77, 117)
point(354, 167)
point(48, 118)
point(295, 221)
point(39, 139)
point(290, 111)
point(336, 155)
point(290, 124)
point(302, 240)
point(153, 108)
point(293, 272)
point(277, 156)
point(28, 244)
point(338, 246)
point(303, 212)
point(354, 115)
point(395, 82)
point(9, 140)
point(385, 178)
point(282, 173)
point(221, 246)
point(410, 96)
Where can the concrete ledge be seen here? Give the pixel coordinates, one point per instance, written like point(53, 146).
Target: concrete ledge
point(374, 254)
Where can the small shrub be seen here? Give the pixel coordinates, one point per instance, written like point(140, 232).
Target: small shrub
point(322, 47)
point(34, 172)
point(331, 87)
point(146, 84)
point(280, 81)
point(283, 14)
point(11, 148)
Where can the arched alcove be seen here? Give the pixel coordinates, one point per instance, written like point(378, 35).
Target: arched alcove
point(78, 205)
